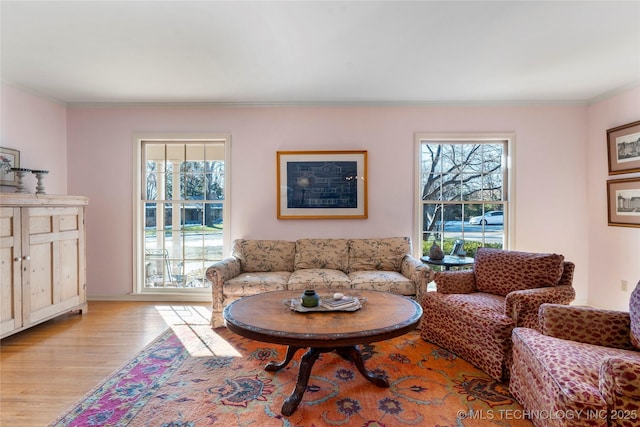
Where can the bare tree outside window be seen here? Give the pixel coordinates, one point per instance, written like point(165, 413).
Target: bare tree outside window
point(463, 193)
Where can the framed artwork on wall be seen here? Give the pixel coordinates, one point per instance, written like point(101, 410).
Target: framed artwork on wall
point(623, 201)
point(623, 148)
point(322, 184)
point(9, 158)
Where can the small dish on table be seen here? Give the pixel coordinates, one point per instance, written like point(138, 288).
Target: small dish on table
point(344, 303)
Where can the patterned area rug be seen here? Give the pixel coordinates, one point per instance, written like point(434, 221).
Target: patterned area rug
point(194, 376)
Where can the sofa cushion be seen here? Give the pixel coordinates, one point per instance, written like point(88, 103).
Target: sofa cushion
point(264, 255)
point(378, 254)
point(634, 314)
point(318, 278)
point(387, 281)
point(322, 253)
point(256, 283)
point(501, 272)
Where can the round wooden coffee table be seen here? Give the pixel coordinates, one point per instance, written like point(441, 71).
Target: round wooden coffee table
point(265, 317)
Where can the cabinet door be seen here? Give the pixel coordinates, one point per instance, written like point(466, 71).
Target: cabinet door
point(10, 274)
point(55, 277)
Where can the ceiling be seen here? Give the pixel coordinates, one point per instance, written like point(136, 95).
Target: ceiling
point(320, 52)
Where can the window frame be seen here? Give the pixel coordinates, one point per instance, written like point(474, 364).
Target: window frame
point(173, 294)
point(508, 181)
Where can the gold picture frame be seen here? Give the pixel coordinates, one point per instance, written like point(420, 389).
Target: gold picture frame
point(623, 148)
point(623, 201)
point(322, 184)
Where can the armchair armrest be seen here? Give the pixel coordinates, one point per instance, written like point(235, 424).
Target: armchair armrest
point(619, 382)
point(589, 325)
point(418, 273)
point(522, 306)
point(455, 281)
point(218, 273)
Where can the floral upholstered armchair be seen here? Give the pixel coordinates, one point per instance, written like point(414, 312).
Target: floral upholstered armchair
point(584, 363)
point(473, 312)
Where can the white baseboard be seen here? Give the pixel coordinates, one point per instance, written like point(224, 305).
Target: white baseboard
point(152, 297)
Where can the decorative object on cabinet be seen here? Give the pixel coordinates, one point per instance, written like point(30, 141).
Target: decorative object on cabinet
point(42, 241)
point(322, 184)
point(623, 201)
point(9, 159)
point(20, 173)
point(623, 148)
point(40, 177)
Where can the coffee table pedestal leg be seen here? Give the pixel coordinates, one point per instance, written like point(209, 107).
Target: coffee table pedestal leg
point(275, 366)
point(306, 363)
point(350, 353)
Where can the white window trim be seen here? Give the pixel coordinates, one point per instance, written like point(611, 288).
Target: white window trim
point(203, 294)
point(421, 137)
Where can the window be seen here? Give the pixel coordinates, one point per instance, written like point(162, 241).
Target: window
point(181, 213)
point(463, 185)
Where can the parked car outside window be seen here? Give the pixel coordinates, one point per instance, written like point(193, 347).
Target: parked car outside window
point(489, 218)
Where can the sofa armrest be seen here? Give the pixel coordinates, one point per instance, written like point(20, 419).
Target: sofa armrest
point(607, 328)
point(523, 306)
point(455, 282)
point(619, 383)
point(223, 270)
point(218, 273)
point(419, 273)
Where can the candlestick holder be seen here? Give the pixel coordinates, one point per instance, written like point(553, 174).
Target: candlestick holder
point(40, 177)
point(20, 173)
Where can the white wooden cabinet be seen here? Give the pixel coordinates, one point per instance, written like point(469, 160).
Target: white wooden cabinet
point(42, 259)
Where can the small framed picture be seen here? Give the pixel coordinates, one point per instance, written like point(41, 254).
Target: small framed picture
point(623, 148)
point(458, 248)
point(9, 158)
point(623, 200)
point(322, 184)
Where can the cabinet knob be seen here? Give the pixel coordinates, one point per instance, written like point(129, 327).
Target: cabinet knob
point(16, 259)
point(26, 257)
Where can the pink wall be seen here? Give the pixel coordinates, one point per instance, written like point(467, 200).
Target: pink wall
point(550, 164)
point(38, 129)
point(560, 201)
point(614, 252)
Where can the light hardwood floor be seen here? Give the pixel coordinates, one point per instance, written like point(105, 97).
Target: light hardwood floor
point(46, 369)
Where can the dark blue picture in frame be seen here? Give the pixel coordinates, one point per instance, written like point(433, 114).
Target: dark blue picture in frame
point(322, 184)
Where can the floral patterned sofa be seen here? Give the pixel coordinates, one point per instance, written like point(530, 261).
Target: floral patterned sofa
point(256, 266)
point(582, 368)
point(473, 312)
